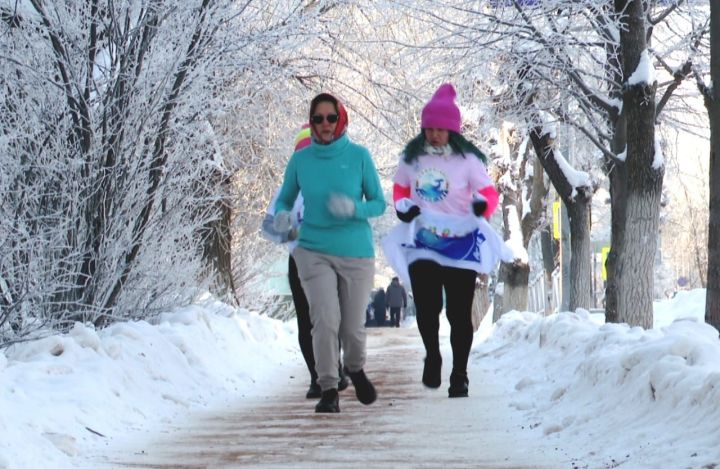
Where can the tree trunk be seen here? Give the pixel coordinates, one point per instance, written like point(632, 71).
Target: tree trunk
point(712, 301)
point(514, 294)
point(515, 288)
point(498, 297)
point(617, 175)
point(633, 270)
point(548, 254)
point(579, 215)
point(481, 300)
point(614, 168)
point(581, 258)
point(217, 253)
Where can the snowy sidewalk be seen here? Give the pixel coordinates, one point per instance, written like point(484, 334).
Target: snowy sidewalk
point(408, 426)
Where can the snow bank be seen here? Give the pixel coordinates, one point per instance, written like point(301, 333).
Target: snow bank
point(63, 395)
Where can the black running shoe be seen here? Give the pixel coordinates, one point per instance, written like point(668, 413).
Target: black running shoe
point(364, 389)
point(313, 391)
point(431, 371)
point(329, 402)
point(342, 382)
point(458, 385)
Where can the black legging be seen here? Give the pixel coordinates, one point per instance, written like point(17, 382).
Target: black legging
point(302, 311)
point(428, 278)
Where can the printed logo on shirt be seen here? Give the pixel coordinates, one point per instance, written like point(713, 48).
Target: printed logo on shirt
point(432, 185)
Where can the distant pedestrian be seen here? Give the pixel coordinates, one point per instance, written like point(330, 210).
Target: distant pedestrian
point(396, 300)
point(379, 307)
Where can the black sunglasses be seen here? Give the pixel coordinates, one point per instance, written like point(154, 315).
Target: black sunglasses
point(318, 118)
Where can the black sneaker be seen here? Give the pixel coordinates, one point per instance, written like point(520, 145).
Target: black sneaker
point(329, 402)
point(364, 389)
point(431, 371)
point(313, 391)
point(342, 382)
point(458, 385)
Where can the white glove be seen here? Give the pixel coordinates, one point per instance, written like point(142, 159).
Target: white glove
point(404, 204)
point(341, 206)
point(281, 222)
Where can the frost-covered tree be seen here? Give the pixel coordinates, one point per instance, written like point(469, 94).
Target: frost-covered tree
point(522, 184)
point(591, 65)
point(117, 167)
point(711, 94)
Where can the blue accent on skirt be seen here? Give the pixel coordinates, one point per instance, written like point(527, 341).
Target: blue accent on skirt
point(466, 248)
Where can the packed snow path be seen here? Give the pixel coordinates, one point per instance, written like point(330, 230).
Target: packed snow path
point(408, 426)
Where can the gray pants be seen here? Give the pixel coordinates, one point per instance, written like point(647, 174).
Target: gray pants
point(337, 289)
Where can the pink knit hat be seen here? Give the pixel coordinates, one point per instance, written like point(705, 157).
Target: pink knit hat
point(441, 112)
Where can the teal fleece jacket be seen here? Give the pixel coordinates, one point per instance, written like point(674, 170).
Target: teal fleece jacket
point(341, 167)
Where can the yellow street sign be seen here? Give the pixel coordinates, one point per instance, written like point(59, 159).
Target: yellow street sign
point(603, 257)
point(556, 219)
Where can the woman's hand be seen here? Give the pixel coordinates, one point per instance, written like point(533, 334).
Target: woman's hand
point(281, 221)
point(408, 216)
point(341, 206)
point(406, 210)
point(479, 205)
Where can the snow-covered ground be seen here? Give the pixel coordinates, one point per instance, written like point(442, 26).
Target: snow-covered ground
point(609, 394)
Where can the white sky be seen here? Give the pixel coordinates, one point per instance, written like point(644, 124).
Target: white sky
point(602, 393)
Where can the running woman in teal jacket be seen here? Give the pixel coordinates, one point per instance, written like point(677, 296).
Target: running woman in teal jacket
point(335, 254)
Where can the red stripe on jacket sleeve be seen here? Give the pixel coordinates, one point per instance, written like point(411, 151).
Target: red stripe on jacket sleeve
point(492, 197)
point(400, 192)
